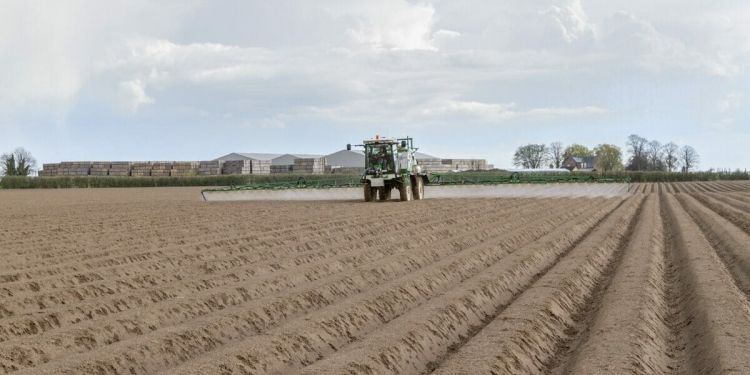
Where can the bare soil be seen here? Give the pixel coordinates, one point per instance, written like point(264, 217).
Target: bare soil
point(142, 281)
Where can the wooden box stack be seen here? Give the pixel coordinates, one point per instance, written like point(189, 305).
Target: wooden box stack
point(49, 170)
point(75, 168)
point(100, 168)
point(184, 168)
point(120, 168)
point(466, 164)
point(433, 165)
point(210, 168)
point(281, 169)
point(237, 167)
point(141, 169)
point(261, 167)
point(161, 168)
point(310, 165)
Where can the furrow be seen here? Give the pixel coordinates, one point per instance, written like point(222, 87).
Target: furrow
point(176, 344)
point(413, 340)
point(716, 314)
point(529, 333)
point(629, 334)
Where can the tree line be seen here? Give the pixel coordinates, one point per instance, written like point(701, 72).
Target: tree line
point(645, 155)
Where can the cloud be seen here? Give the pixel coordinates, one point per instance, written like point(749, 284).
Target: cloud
point(133, 95)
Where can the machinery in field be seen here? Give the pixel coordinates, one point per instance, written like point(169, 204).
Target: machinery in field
point(390, 164)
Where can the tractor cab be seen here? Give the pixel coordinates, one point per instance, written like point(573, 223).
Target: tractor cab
point(390, 164)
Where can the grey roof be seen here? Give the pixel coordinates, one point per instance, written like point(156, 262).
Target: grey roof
point(248, 156)
point(303, 156)
point(589, 160)
point(420, 155)
point(347, 158)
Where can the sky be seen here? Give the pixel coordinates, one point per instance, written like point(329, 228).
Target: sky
point(195, 80)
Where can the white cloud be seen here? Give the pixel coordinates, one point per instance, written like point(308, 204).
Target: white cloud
point(393, 24)
point(133, 95)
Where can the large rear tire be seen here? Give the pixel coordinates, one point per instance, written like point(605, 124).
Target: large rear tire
point(370, 193)
point(418, 188)
point(406, 192)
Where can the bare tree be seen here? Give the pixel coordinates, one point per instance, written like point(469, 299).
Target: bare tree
point(637, 148)
point(689, 158)
point(671, 156)
point(531, 156)
point(655, 155)
point(556, 152)
point(18, 163)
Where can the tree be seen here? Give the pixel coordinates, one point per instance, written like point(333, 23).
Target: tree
point(671, 156)
point(531, 156)
point(689, 158)
point(8, 164)
point(556, 153)
point(19, 163)
point(637, 148)
point(577, 150)
point(609, 157)
point(654, 154)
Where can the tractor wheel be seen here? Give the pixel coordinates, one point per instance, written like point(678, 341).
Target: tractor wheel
point(418, 188)
point(370, 193)
point(384, 193)
point(406, 192)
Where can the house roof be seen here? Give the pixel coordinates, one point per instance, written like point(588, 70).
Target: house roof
point(589, 160)
point(303, 156)
point(420, 155)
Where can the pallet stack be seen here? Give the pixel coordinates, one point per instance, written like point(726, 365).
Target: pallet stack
point(433, 165)
point(310, 165)
point(161, 168)
point(280, 169)
point(261, 167)
point(100, 168)
point(210, 168)
point(49, 170)
point(466, 164)
point(141, 169)
point(184, 168)
point(120, 168)
point(237, 167)
point(75, 168)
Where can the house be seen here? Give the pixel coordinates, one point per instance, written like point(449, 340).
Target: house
point(581, 163)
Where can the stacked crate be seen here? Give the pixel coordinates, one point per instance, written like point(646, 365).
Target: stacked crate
point(237, 167)
point(49, 170)
point(161, 168)
point(310, 165)
point(75, 168)
point(210, 168)
point(433, 165)
point(280, 169)
point(466, 164)
point(120, 168)
point(100, 168)
point(261, 166)
point(184, 168)
point(141, 169)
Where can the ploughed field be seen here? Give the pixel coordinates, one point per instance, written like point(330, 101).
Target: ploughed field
point(142, 281)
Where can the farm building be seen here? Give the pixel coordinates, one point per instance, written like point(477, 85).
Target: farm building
point(356, 158)
point(581, 163)
point(248, 156)
point(288, 159)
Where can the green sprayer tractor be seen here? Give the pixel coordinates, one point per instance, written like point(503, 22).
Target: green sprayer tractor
point(390, 164)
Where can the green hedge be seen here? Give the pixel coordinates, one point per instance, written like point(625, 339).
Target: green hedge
point(15, 182)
